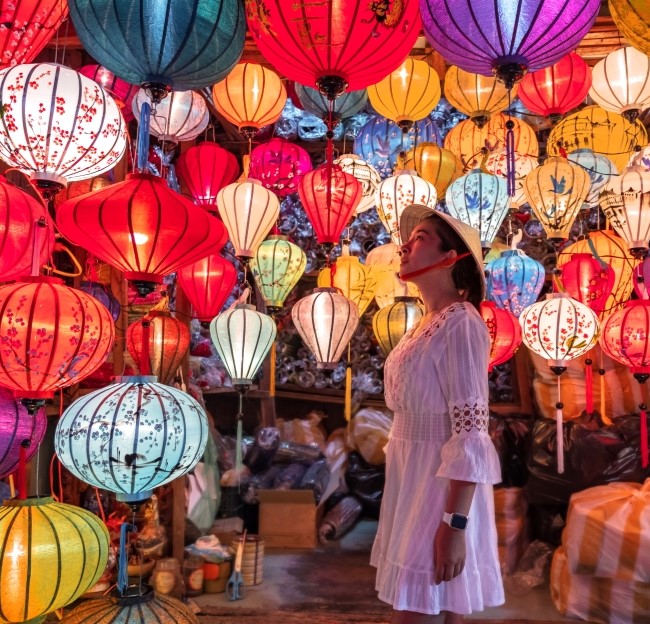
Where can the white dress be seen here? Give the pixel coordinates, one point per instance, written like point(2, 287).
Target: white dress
point(436, 385)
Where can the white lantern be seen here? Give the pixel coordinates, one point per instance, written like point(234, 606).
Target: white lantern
point(600, 169)
point(325, 321)
point(367, 176)
point(497, 164)
point(249, 211)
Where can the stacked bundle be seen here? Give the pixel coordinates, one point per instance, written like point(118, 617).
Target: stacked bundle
point(511, 513)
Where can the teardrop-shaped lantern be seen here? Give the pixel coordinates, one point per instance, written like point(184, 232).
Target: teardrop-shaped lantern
point(497, 164)
point(251, 96)
point(249, 211)
point(504, 331)
point(366, 175)
point(242, 336)
point(588, 280)
point(131, 437)
point(600, 169)
point(325, 321)
point(344, 106)
point(432, 163)
point(391, 322)
point(277, 267)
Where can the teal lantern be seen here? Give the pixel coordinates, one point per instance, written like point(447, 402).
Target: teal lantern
point(344, 106)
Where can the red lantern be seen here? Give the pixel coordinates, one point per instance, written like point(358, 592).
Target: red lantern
point(206, 169)
point(207, 284)
point(141, 227)
point(24, 223)
point(329, 196)
point(555, 90)
point(51, 336)
point(505, 333)
point(279, 165)
point(588, 280)
point(122, 91)
point(331, 45)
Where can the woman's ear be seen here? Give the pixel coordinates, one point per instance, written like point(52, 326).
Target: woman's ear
point(450, 260)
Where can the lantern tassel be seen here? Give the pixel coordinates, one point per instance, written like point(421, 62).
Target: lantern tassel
point(12, 487)
point(644, 435)
point(145, 359)
point(143, 136)
point(37, 242)
point(560, 429)
point(122, 559)
point(510, 157)
point(348, 393)
point(272, 371)
point(240, 427)
point(589, 391)
point(22, 470)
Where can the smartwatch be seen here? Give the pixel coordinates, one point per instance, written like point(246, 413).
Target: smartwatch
point(455, 520)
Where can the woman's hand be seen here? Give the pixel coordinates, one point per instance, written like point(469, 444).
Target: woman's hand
point(448, 553)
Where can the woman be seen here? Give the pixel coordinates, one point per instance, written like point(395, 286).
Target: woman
point(436, 546)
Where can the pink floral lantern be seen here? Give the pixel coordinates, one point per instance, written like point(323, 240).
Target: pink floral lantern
point(279, 165)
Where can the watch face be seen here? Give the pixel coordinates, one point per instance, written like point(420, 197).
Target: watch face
point(458, 521)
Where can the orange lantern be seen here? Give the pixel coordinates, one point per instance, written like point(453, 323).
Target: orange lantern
point(432, 163)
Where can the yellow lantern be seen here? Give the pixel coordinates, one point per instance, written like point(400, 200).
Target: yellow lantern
point(555, 192)
point(51, 553)
point(432, 163)
point(479, 97)
point(407, 94)
point(385, 261)
point(251, 97)
point(356, 281)
point(471, 144)
point(632, 18)
point(496, 164)
point(391, 323)
point(602, 131)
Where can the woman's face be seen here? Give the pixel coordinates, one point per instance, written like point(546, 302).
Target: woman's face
point(422, 249)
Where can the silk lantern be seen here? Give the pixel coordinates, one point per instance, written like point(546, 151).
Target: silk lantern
point(131, 437)
point(496, 164)
point(325, 321)
point(207, 283)
point(632, 18)
point(141, 227)
point(103, 294)
point(391, 322)
point(277, 267)
point(625, 339)
point(162, 46)
point(642, 278)
point(480, 200)
point(504, 39)
point(334, 47)
point(344, 106)
point(432, 163)
point(51, 554)
point(251, 96)
point(476, 96)
point(504, 331)
point(365, 174)
point(55, 337)
point(557, 89)
point(205, 169)
point(279, 165)
point(122, 92)
point(384, 259)
point(600, 169)
point(248, 211)
point(80, 136)
point(588, 280)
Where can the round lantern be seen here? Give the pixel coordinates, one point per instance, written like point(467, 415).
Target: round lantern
point(24, 224)
point(251, 96)
point(621, 82)
point(600, 169)
point(533, 35)
point(407, 94)
point(248, 211)
point(329, 196)
point(55, 336)
point(136, 606)
point(432, 163)
point(325, 321)
point(555, 90)
point(632, 18)
point(505, 333)
point(180, 117)
point(588, 280)
point(397, 192)
point(205, 169)
point(122, 92)
point(242, 336)
point(27, 26)
point(80, 137)
point(163, 45)
point(207, 283)
point(514, 280)
point(625, 202)
point(366, 175)
point(279, 165)
point(51, 554)
point(497, 164)
point(141, 227)
point(344, 106)
point(103, 294)
point(603, 132)
point(391, 322)
point(18, 430)
point(555, 192)
point(476, 96)
point(277, 267)
point(480, 200)
point(131, 437)
point(334, 47)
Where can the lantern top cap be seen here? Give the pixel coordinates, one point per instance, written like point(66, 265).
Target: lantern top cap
point(414, 214)
point(32, 501)
point(135, 379)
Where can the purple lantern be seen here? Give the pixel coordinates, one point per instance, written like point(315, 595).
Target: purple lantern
point(103, 294)
point(279, 165)
point(504, 37)
point(18, 429)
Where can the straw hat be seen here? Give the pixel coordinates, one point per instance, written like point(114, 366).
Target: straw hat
point(413, 214)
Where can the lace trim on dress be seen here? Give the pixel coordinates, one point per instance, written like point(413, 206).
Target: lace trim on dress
point(437, 322)
point(470, 415)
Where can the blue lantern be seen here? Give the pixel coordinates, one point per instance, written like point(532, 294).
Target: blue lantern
point(514, 280)
point(344, 106)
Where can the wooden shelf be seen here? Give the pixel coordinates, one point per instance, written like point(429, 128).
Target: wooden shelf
point(253, 393)
point(295, 392)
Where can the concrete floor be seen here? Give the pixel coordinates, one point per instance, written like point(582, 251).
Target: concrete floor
point(337, 577)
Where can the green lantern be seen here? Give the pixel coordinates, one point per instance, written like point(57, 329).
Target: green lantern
point(392, 322)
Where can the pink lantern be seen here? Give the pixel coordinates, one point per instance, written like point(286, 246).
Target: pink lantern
point(588, 280)
point(279, 165)
point(122, 92)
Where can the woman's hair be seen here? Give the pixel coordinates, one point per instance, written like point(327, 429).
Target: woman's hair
point(465, 272)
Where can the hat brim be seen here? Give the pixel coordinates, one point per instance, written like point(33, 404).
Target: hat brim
point(414, 214)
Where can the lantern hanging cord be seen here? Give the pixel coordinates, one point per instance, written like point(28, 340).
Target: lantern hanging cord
point(122, 558)
point(143, 137)
point(559, 427)
point(510, 149)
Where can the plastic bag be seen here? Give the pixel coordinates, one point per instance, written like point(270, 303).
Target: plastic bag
point(308, 430)
point(261, 481)
point(511, 436)
point(317, 479)
point(292, 452)
point(339, 519)
point(202, 491)
point(369, 431)
point(366, 482)
point(290, 477)
point(532, 570)
point(261, 453)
